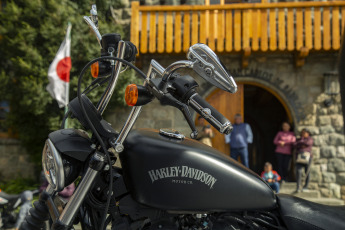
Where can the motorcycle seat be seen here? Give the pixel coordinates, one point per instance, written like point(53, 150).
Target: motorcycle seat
point(300, 214)
point(9, 197)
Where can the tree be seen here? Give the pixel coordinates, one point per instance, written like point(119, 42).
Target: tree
point(31, 33)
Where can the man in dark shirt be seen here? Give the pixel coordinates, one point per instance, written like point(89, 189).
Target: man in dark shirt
point(238, 139)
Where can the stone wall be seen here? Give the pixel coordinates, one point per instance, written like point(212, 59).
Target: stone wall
point(327, 127)
point(14, 161)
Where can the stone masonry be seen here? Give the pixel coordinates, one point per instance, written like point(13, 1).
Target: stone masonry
point(14, 161)
point(327, 173)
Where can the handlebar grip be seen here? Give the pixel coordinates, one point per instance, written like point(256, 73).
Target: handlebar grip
point(215, 118)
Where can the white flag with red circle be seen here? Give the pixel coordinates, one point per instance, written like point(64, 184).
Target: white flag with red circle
point(59, 71)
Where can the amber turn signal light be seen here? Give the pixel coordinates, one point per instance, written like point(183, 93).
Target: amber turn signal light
point(95, 69)
point(131, 95)
point(137, 95)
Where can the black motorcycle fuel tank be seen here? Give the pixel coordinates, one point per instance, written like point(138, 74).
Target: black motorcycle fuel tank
point(185, 175)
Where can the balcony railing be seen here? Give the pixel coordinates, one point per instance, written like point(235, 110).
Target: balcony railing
point(265, 27)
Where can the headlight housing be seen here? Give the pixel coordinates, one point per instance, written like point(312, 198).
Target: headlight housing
point(53, 166)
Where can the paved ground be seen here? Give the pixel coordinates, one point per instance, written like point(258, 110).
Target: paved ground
point(311, 195)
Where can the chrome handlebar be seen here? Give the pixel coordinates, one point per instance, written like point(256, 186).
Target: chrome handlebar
point(102, 104)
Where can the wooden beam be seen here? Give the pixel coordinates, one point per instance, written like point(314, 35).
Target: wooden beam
point(301, 56)
point(203, 28)
point(299, 29)
point(161, 31)
point(143, 37)
point(212, 32)
point(256, 22)
point(264, 30)
point(335, 29)
point(153, 36)
point(245, 29)
point(290, 30)
point(245, 57)
point(273, 30)
point(326, 29)
point(243, 6)
point(169, 33)
point(195, 27)
point(186, 31)
point(237, 30)
point(308, 28)
point(178, 38)
point(281, 30)
point(228, 30)
point(221, 31)
point(134, 24)
point(317, 29)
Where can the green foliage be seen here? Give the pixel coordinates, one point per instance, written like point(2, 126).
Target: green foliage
point(18, 185)
point(31, 33)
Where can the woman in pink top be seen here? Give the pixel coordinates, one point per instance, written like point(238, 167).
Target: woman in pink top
point(284, 141)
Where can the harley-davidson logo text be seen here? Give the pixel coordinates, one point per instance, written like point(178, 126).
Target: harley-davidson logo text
point(183, 172)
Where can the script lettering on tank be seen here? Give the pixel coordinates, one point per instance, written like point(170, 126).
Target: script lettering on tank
point(180, 173)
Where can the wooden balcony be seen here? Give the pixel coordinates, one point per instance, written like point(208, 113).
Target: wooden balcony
point(247, 28)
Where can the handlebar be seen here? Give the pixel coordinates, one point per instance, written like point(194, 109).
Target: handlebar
point(215, 118)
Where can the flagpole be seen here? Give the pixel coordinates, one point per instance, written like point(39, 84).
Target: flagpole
point(67, 83)
point(66, 106)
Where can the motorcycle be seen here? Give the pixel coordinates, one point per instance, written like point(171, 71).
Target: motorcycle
point(167, 181)
point(9, 203)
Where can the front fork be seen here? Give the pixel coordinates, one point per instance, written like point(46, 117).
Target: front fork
point(96, 164)
point(45, 207)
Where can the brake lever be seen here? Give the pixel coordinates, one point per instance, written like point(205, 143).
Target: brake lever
point(168, 99)
point(208, 66)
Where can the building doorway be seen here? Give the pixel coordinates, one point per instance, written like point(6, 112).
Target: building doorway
point(262, 110)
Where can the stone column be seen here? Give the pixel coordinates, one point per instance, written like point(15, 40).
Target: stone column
point(326, 126)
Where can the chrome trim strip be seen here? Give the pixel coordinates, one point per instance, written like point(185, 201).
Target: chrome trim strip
point(60, 174)
point(171, 133)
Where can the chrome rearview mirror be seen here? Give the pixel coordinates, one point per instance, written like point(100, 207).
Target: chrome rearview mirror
point(92, 21)
point(207, 64)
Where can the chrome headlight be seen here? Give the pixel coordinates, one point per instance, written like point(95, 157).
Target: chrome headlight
point(53, 167)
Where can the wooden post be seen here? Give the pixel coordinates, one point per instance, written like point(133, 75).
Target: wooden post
point(207, 16)
point(135, 24)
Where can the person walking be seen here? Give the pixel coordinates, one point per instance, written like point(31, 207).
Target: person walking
point(239, 139)
point(303, 147)
point(205, 132)
point(284, 141)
